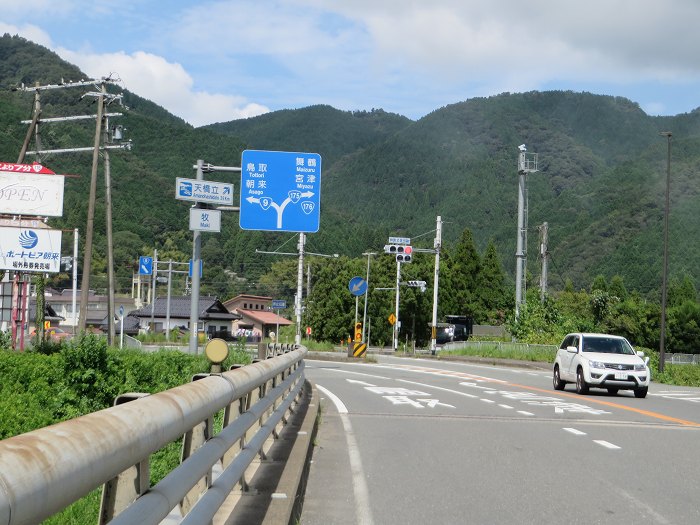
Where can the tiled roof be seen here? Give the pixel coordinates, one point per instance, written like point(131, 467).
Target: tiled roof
point(263, 317)
point(180, 306)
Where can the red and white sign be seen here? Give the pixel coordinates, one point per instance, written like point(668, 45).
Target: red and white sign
point(308, 330)
point(26, 168)
point(30, 189)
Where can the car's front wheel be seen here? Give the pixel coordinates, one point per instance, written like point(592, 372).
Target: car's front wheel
point(641, 392)
point(581, 385)
point(556, 380)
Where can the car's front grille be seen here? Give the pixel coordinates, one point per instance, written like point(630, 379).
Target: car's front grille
point(610, 366)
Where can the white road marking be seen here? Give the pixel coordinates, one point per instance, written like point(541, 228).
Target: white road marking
point(346, 371)
point(432, 403)
point(606, 444)
point(395, 391)
point(506, 406)
point(487, 400)
point(474, 385)
point(438, 388)
point(355, 381)
point(339, 405)
point(575, 431)
point(359, 485)
point(524, 413)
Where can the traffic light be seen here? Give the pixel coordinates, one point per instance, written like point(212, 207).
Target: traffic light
point(403, 253)
point(358, 332)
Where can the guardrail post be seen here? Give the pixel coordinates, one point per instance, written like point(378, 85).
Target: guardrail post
point(191, 441)
point(233, 411)
point(119, 492)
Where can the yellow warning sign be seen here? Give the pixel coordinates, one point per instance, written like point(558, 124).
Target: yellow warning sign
point(359, 349)
point(392, 319)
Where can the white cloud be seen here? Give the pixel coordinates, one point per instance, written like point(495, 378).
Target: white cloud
point(619, 40)
point(28, 31)
point(165, 83)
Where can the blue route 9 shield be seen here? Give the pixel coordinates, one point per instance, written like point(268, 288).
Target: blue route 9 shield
point(280, 191)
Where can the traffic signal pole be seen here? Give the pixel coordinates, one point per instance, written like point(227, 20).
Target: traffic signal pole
point(397, 323)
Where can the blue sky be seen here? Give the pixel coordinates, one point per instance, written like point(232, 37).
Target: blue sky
point(215, 61)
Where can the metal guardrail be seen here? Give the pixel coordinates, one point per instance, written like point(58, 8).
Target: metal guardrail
point(44, 471)
point(682, 359)
point(500, 345)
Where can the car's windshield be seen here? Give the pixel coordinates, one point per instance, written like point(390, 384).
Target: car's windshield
point(607, 345)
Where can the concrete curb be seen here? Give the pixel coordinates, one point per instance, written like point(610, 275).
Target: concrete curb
point(276, 490)
point(296, 471)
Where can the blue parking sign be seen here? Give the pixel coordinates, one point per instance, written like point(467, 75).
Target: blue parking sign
point(280, 191)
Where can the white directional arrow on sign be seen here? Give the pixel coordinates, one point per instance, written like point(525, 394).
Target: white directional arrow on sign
point(266, 202)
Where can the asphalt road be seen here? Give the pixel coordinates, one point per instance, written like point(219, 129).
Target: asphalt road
point(409, 441)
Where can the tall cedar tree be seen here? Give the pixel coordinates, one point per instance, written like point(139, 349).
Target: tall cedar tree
point(459, 289)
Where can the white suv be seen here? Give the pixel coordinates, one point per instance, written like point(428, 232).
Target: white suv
point(601, 361)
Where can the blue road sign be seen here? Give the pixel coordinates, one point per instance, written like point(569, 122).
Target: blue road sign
point(279, 304)
point(204, 191)
point(358, 286)
point(145, 265)
point(280, 191)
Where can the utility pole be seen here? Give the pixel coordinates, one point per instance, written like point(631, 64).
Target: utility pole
point(99, 117)
point(364, 315)
point(87, 256)
point(437, 245)
point(544, 253)
point(298, 308)
point(110, 248)
point(664, 280)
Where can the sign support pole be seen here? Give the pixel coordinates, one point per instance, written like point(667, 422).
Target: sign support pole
point(300, 280)
point(196, 249)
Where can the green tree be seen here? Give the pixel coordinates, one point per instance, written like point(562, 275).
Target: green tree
point(493, 292)
point(681, 290)
point(459, 293)
point(684, 328)
point(617, 288)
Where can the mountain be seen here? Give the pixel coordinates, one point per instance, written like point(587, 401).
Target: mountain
point(600, 185)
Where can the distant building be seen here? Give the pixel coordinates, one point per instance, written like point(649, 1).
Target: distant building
point(256, 315)
point(214, 319)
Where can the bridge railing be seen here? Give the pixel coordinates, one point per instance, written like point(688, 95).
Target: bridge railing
point(44, 471)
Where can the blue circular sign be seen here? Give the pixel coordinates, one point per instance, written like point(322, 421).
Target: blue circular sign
point(358, 286)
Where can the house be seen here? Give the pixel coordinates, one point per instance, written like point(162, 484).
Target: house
point(62, 303)
point(214, 318)
point(256, 315)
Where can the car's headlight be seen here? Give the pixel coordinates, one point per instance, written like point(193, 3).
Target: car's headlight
point(640, 367)
point(597, 364)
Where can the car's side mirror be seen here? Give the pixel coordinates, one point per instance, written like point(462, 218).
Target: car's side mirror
point(572, 349)
point(640, 353)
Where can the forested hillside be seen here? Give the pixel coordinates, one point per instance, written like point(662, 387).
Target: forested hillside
point(600, 186)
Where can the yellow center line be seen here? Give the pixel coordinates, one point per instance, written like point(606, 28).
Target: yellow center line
point(647, 413)
point(485, 379)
